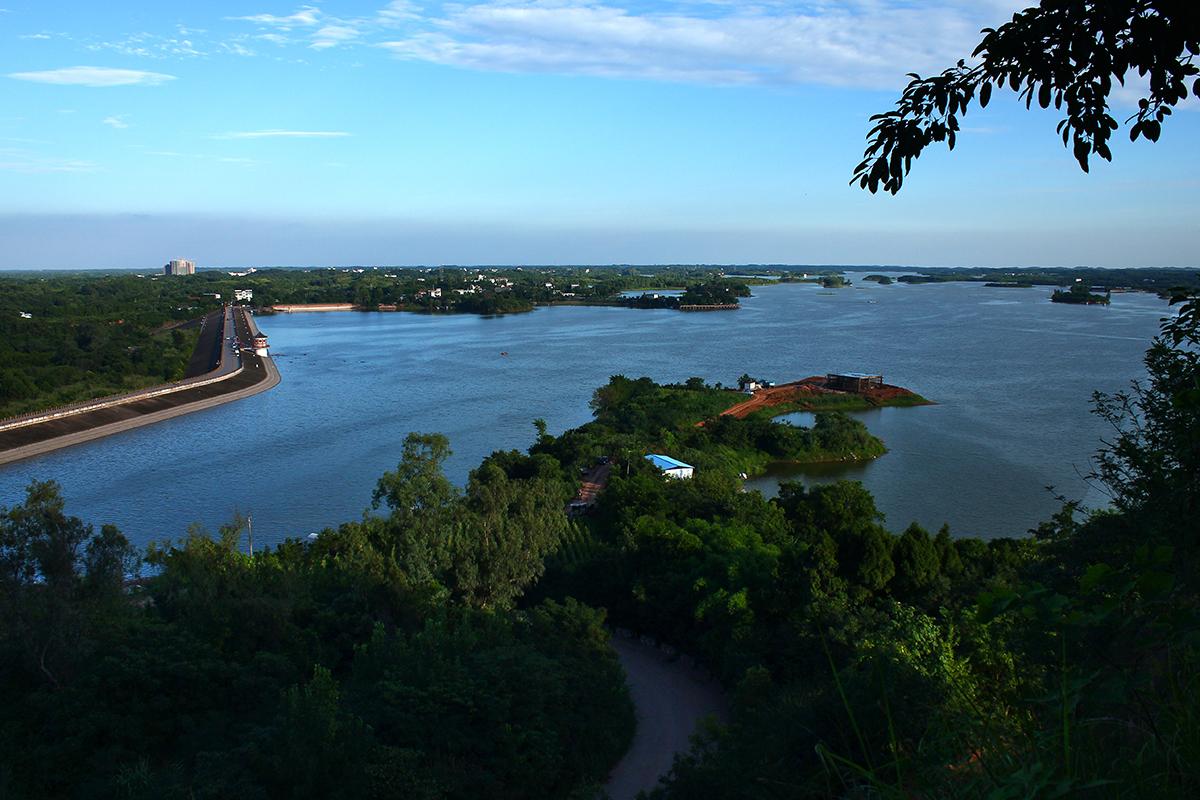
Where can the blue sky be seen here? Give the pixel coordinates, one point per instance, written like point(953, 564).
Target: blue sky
point(261, 132)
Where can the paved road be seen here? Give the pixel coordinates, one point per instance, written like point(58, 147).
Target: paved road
point(208, 347)
point(259, 375)
point(670, 698)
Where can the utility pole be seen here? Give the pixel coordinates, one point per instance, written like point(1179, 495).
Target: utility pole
point(250, 528)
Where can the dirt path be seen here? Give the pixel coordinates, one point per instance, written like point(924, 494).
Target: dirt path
point(777, 396)
point(670, 698)
point(811, 388)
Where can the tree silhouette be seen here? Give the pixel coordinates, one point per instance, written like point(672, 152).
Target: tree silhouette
point(1067, 52)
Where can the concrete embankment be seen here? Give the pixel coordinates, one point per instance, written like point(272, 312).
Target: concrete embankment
point(229, 382)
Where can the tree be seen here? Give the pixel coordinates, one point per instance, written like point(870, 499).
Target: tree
point(1152, 463)
point(917, 562)
point(1066, 52)
point(422, 500)
point(503, 533)
point(49, 589)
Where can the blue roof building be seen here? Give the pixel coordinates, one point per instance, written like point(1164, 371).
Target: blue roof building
point(671, 467)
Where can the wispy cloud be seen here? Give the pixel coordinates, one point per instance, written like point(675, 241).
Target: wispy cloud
point(36, 36)
point(307, 16)
point(312, 27)
point(94, 76)
point(116, 121)
point(237, 49)
point(869, 43)
point(856, 43)
point(275, 133)
point(333, 35)
point(204, 157)
point(150, 45)
point(24, 161)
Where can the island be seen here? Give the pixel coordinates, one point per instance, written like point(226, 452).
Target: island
point(1080, 295)
point(717, 429)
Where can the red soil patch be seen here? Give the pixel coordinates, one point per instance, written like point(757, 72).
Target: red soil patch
point(800, 391)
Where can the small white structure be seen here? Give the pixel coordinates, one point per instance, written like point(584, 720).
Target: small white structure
point(26, 315)
point(671, 467)
point(260, 345)
point(750, 387)
point(243, 295)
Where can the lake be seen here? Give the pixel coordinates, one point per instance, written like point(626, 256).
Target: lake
point(1011, 372)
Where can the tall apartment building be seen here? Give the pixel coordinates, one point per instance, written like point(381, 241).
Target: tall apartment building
point(180, 266)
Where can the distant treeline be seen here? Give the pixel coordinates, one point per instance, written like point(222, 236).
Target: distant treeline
point(70, 338)
point(1164, 282)
point(66, 337)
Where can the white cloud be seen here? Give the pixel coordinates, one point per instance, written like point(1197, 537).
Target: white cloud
point(307, 16)
point(94, 76)
point(309, 25)
point(869, 43)
point(858, 43)
point(116, 121)
point(333, 35)
point(274, 133)
point(36, 36)
point(24, 161)
point(149, 45)
point(399, 11)
point(237, 49)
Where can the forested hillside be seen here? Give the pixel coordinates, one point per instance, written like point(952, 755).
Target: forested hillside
point(452, 643)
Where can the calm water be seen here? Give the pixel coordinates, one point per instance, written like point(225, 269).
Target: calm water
point(1012, 373)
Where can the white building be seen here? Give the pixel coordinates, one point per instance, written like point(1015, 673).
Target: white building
point(672, 468)
point(243, 295)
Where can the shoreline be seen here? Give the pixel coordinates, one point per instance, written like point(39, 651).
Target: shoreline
point(154, 404)
point(271, 379)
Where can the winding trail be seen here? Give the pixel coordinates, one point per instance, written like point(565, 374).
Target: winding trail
point(670, 698)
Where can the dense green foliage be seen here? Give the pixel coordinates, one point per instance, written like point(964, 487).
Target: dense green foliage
point(869, 664)
point(86, 338)
point(385, 659)
point(1079, 295)
point(705, 293)
point(635, 417)
point(450, 644)
point(714, 293)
